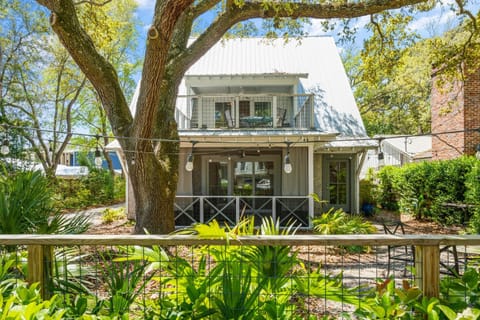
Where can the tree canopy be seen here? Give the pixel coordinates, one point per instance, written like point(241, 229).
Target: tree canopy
point(42, 87)
point(392, 74)
point(149, 137)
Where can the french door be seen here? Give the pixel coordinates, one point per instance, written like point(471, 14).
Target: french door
point(337, 183)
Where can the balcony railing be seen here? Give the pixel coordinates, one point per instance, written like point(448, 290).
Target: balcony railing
point(244, 112)
point(230, 209)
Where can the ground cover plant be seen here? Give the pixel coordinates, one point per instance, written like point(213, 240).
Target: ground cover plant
point(222, 282)
point(26, 206)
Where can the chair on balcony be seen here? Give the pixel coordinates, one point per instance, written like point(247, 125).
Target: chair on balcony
point(229, 119)
point(281, 115)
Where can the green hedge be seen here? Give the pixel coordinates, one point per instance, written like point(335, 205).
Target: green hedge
point(422, 188)
point(98, 188)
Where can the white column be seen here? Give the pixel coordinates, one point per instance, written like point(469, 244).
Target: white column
point(200, 112)
point(274, 111)
point(311, 176)
point(237, 111)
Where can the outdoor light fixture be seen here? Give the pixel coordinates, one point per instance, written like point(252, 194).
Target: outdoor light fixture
point(5, 148)
point(189, 164)
point(477, 154)
point(381, 156)
point(381, 159)
point(287, 165)
point(98, 156)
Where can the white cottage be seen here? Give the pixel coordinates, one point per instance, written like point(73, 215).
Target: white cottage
point(263, 125)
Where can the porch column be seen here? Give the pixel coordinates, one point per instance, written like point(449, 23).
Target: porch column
point(236, 112)
point(311, 175)
point(200, 112)
point(274, 111)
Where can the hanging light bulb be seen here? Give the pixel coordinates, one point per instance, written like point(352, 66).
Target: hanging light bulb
point(477, 154)
point(5, 148)
point(189, 164)
point(98, 158)
point(287, 164)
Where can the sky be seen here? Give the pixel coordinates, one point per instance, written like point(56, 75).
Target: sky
point(432, 23)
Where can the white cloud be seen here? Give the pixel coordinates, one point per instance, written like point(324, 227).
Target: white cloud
point(316, 28)
point(145, 4)
point(436, 23)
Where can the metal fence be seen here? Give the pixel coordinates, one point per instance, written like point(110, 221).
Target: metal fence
point(291, 277)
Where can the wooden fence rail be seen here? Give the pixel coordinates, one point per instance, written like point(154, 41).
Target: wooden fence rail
point(427, 248)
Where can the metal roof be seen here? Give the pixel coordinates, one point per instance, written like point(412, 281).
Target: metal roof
point(316, 57)
point(411, 145)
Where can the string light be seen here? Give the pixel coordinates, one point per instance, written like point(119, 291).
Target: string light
point(5, 148)
point(287, 165)
point(267, 143)
point(189, 164)
point(98, 156)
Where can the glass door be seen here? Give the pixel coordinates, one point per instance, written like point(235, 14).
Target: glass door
point(337, 183)
point(253, 178)
point(218, 178)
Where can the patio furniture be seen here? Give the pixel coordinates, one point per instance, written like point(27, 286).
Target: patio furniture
point(405, 254)
point(229, 119)
point(449, 258)
point(282, 113)
point(256, 121)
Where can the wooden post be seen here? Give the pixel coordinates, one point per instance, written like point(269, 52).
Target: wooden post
point(427, 267)
point(40, 259)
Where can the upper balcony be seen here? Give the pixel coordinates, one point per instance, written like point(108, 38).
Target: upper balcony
point(243, 112)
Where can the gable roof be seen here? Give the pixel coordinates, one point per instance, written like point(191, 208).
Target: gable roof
point(315, 60)
point(315, 57)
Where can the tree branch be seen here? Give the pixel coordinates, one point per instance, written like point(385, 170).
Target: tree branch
point(94, 3)
point(97, 69)
point(251, 10)
point(203, 7)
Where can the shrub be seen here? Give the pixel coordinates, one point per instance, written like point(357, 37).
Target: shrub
point(26, 206)
point(338, 222)
point(422, 189)
point(386, 192)
point(109, 215)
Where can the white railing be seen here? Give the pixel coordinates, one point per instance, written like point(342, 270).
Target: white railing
point(230, 209)
point(245, 111)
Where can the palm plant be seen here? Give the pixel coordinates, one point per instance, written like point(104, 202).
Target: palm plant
point(125, 280)
point(26, 207)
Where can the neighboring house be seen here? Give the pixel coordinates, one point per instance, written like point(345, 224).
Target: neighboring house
point(455, 116)
point(71, 158)
point(246, 105)
point(399, 150)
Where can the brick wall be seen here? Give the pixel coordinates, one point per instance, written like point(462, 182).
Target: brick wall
point(455, 107)
point(472, 112)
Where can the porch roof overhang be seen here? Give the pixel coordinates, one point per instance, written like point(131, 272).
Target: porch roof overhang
point(348, 144)
point(242, 138)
